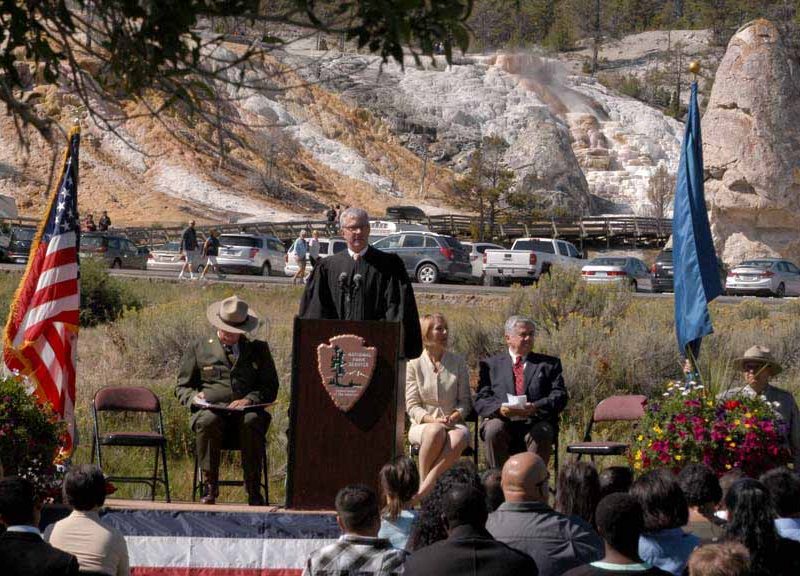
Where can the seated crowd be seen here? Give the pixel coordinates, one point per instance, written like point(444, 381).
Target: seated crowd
point(660, 524)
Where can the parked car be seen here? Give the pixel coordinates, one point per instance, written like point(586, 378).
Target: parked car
point(662, 272)
point(327, 247)
point(476, 251)
point(767, 276)
point(168, 258)
point(528, 259)
point(623, 269)
point(429, 257)
point(115, 251)
point(406, 213)
point(19, 245)
point(250, 254)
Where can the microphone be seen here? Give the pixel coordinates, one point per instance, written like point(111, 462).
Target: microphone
point(356, 282)
point(343, 280)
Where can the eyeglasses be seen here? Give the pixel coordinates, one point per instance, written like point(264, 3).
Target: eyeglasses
point(354, 227)
point(752, 366)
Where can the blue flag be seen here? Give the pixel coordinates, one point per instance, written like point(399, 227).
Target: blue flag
point(697, 279)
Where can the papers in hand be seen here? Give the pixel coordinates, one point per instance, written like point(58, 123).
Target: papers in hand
point(516, 402)
point(204, 404)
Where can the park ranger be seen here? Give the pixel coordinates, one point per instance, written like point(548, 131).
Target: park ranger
point(224, 379)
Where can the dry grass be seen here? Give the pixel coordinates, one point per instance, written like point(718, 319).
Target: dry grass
point(608, 341)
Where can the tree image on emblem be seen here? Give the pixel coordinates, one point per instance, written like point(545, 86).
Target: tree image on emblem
point(337, 364)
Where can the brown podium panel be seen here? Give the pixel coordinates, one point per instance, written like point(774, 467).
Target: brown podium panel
point(342, 433)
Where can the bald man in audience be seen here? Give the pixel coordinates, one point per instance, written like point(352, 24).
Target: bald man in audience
point(526, 522)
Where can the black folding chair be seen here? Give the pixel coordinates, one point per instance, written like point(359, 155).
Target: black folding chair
point(135, 399)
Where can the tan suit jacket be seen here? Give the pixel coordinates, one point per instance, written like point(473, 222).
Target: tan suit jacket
point(437, 394)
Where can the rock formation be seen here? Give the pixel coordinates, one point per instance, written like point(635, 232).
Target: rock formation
point(751, 148)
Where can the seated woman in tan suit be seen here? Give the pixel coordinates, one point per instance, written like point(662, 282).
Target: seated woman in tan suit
point(437, 401)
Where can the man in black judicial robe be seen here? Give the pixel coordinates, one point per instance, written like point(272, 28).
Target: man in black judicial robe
point(363, 283)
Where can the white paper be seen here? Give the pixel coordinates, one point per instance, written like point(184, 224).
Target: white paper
point(201, 401)
point(516, 402)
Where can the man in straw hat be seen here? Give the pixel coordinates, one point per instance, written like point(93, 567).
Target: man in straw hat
point(758, 366)
point(230, 370)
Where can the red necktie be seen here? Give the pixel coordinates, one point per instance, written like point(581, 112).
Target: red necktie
point(519, 376)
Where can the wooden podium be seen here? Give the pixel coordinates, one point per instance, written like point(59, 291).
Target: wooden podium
point(343, 425)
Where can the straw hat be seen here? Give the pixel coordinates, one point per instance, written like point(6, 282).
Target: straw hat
point(232, 315)
point(759, 354)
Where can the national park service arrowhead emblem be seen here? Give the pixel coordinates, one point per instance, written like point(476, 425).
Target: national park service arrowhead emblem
point(346, 367)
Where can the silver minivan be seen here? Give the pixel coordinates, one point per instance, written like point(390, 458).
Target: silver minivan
point(250, 254)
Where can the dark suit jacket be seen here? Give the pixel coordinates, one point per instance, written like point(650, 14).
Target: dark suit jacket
point(23, 554)
point(544, 385)
point(469, 551)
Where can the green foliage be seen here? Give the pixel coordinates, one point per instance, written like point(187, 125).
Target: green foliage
point(30, 435)
point(103, 298)
point(752, 310)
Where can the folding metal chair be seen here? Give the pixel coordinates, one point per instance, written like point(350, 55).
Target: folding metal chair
point(135, 399)
point(611, 409)
point(469, 451)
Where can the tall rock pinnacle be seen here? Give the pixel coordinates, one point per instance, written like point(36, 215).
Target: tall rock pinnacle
point(751, 148)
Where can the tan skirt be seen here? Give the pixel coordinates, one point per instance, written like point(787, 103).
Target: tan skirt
point(415, 432)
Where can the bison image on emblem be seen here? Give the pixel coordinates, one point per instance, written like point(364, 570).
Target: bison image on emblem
point(346, 368)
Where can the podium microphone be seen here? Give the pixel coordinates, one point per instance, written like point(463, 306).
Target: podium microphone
point(356, 283)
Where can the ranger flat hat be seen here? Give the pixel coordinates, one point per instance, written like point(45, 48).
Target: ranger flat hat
point(232, 315)
point(759, 354)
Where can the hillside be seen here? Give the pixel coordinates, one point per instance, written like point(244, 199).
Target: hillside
point(339, 127)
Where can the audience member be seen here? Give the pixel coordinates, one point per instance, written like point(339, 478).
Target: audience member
point(98, 547)
point(664, 543)
point(430, 526)
point(725, 482)
point(751, 521)
point(615, 479)
point(758, 366)
point(358, 550)
point(399, 484)
point(469, 549)
point(724, 559)
point(438, 399)
point(620, 522)
point(784, 490)
point(578, 490)
point(537, 380)
point(526, 522)
point(703, 493)
point(23, 552)
point(493, 486)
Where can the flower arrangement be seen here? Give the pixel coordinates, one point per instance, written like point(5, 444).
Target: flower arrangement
point(686, 426)
point(31, 435)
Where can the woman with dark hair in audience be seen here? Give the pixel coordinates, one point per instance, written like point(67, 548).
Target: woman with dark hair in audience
point(99, 548)
point(725, 482)
point(430, 526)
point(399, 484)
point(751, 521)
point(620, 522)
point(664, 543)
point(615, 479)
point(703, 493)
point(578, 491)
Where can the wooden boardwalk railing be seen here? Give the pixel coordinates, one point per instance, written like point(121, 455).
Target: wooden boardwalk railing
point(612, 230)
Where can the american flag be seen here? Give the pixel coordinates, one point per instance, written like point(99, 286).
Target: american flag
point(41, 336)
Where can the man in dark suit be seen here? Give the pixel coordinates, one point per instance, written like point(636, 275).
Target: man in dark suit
point(469, 549)
point(23, 552)
point(232, 372)
point(363, 283)
point(533, 424)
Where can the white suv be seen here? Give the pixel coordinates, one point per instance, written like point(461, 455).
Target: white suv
point(250, 254)
point(327, 247)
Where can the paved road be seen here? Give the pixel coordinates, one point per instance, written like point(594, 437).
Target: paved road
point(420, 288)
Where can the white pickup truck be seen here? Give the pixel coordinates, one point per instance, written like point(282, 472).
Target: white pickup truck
point(527, 259)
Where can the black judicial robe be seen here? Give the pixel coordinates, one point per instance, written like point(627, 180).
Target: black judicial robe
point(377, 287)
